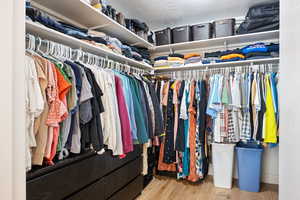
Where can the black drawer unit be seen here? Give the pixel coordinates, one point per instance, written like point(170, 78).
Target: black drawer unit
point(85, 178)
point(181, 34)
point(223, 28)
point(163, 37)
point(131, 191)
point(202, 31)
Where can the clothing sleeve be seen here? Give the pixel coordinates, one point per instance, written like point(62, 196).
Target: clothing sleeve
point(35, 95)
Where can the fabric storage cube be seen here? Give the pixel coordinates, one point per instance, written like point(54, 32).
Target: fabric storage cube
point(163, 37)
point(249, 160)
point(201, 31)
point(222, 156)
point(181, 34)
point(223, 28)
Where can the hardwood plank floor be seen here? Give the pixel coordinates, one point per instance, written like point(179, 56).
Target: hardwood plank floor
point(164, 188)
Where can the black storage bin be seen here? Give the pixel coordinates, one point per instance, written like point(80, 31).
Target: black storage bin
point(201, 31)
point(181, 34)
point(223, 28)
point(163, 37)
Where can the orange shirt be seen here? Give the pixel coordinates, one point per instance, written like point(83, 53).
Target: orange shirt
point(192, 136)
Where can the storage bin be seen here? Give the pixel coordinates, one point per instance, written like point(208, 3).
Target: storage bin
point(163, 37)
point(223, 155)
point(223, 28)
point(201, 31)
point(181, 34)
point(249, 159)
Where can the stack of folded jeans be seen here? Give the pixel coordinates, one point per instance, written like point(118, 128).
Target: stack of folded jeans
point(136, 56)
point(262, 17)
point(161, 62)
point(126, 51)
point(232, 55)
point(144, 52)
point(192, 58)
point(41, 17)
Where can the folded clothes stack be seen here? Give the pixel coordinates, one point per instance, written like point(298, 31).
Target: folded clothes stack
point(161, 62)
point(192, 58)
point(137, 56)
point(232, 55)
point(273, 49)
point(211, 57)
point(176, 60)
point(256, 51)
point(127, 51)
point(95, 38)
point(115, 45)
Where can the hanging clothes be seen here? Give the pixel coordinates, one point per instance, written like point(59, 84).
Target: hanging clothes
point(74, 107)
point(231, 107)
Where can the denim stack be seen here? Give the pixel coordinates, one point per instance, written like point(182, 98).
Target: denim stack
point(41, 17)
point(262, 17)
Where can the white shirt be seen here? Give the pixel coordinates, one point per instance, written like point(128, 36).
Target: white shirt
point(34, 105)
point(111, 126)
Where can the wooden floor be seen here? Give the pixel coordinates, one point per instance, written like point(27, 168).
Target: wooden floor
point(163, 188)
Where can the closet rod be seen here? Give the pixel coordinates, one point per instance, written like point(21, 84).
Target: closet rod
point(219, 65)
point(266, 67)
point(35, 43)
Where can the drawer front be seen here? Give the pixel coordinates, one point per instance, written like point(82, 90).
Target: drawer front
point(67, 180)
point(108, 185)
point(121, 177)
point(131, 191)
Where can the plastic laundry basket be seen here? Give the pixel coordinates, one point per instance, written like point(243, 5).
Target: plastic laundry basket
point(223, 155)
point(249, 159)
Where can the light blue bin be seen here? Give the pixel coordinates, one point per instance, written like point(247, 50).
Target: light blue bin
point(249, 160)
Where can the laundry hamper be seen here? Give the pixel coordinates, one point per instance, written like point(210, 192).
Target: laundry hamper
point(249, 160)
point(223, 157)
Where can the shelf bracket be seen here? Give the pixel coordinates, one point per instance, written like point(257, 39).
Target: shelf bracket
point(135, 44)
point(99, 27)
point(171, 50)
point(226, 45)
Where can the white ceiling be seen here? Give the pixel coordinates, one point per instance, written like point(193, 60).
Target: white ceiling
point(169, 13)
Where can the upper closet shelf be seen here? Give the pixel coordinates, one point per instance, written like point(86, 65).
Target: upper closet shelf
point(218, 65)
point(219, 42)
point(81, 12)
point(50, 34)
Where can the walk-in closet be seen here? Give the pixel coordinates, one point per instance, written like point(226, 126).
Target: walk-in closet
point(150, 100)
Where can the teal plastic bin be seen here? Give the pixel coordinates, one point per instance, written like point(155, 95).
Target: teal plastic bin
point(249, 161)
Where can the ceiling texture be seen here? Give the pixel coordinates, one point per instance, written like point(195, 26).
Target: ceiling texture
point(160, 14)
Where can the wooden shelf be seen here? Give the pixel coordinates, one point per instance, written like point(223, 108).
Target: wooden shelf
point(55, 36)
point(81, 12)
point(217, 65)
point(219, 42)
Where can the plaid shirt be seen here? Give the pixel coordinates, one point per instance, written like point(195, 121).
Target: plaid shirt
point(232, 138)
point(246, 127)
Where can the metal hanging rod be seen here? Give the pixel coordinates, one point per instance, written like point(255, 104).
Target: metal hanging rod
point(196, 73)
point(219, 65)
point(64, 52)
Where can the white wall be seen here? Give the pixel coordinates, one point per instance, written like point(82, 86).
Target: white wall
point(12, 137)
point(289, 166)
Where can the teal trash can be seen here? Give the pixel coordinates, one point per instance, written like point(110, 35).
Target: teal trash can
point(249, 161)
